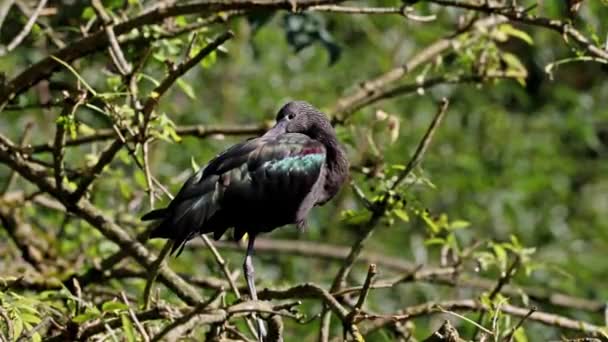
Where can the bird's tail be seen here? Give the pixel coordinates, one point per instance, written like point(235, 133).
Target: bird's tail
point(160, 230)
point(155, 215)
point(183, 220)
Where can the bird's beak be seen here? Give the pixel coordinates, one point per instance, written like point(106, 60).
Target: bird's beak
point(278, 129)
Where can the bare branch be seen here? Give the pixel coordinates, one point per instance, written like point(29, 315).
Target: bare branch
point(404, 11)
point(432, 308)
point(198, 131)
point(371, 274)
point(153, 272)
point(5, 7)
point(25, 31)
point(304, 291)
point(411, 272)
point(105, 158)
point(179, 71)
point(347, 104)
point(85, 210)
point(509, 336)
point(71, 103)
point(98, 40)
point(25, 136)
point(116, 53)
point(423, 145)
point(520, 15)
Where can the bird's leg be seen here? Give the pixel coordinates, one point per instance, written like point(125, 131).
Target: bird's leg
point(250, 276)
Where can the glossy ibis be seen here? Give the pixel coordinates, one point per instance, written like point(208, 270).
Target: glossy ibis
point(259, 185)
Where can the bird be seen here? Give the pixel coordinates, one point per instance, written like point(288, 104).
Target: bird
point(259, 185)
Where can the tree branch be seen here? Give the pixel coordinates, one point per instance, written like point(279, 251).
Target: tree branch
point(371, 88)
point(85, 210)
point(520, 15)
point(197, 131)
point(99, 39)
point(432, 308)
point(24, 32)
point(176, 73)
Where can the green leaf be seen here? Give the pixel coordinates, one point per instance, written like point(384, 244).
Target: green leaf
point(80, 78)
point(140, 179)
point(514, 64)
point(125, 189)
point(402, 214)
point(434, 241)
point(186, 88)
point(17, 326)
point(209, 60)
point(430, 223)
point(513, 32)
point(114, 82)
point(128, 328)
point(181, 21)
point(30, 318)
point(355, 218)
point(459, 224)
point(87, 316)
point(113, 306)
point(195, 166)
point(485, 259)
point(88, 13)
point(520, 335)
point(501, 256)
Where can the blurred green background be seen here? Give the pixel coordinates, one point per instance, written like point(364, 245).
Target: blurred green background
point(527, 160)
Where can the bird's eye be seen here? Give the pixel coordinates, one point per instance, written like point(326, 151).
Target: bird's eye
point(291, 116)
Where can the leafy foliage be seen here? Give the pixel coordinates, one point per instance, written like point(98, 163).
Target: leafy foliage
point(506, 212)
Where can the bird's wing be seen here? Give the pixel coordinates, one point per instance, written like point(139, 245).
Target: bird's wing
point(284, 173)
point(253, 171)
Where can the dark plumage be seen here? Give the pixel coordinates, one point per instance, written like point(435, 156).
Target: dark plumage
point(260, 184)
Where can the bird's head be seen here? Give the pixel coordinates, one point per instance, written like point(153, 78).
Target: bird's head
point(302, 117)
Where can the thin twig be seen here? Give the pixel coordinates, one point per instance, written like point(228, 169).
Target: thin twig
point(349, 103)
point(104, 159)
point(25, 136)
point(404, 11)
point(67, 115)
point(134, 318)
point(9, 324)
point(116, 53)
point(148, 174)
point(377, 214)
point(521, 15)
point(198, 131)
point(423, 145)
point(153, 272)
point(468, 305)
point(26, 29)
point(224, 267)
point(509, 336)
point(371, 274)
point(200, 315)
point(5, 7)
point(380, 208)
point(88, 212)
point(504, 279)
point(179, 70)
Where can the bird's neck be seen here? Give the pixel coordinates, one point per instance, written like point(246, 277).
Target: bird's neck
point(337, 163)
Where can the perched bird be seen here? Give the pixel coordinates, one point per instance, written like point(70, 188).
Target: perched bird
point(260, 184)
